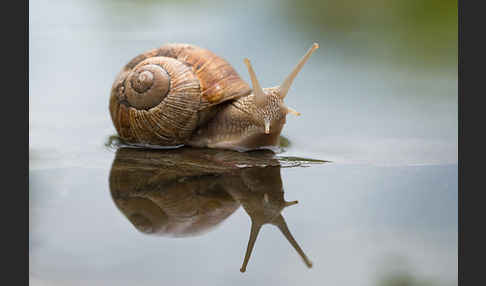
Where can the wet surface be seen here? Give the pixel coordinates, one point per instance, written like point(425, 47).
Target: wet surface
point(137, 224)
point(372, 161)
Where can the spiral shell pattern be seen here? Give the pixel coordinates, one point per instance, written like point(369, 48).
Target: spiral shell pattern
point(161, 96)
point(156, 102)
point(147, 86)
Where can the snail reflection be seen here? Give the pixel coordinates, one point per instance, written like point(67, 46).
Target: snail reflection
point(186, 191)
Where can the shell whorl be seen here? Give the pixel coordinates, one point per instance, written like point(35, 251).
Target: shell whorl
point(157, 96)
point(147, 85)
point(156, 102)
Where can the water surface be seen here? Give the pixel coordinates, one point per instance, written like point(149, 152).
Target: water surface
point(382, 211)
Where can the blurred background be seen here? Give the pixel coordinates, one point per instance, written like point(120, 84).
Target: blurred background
point(379, 99)
point(385, 75)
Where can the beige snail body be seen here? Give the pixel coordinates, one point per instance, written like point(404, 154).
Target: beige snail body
point(181, 94)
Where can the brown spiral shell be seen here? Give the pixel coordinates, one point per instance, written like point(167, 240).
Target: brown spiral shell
point(157, 97)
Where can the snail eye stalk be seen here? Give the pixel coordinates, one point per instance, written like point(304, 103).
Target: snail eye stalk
point(257, 89)
point(285, 86)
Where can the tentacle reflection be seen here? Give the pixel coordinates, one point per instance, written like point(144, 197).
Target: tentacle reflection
point(187, 191)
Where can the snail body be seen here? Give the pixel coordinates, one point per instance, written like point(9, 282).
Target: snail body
point(181, 94)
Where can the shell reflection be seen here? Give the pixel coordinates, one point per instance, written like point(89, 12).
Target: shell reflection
point(187, 191)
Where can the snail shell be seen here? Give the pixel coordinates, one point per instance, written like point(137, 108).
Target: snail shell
point(160, 97)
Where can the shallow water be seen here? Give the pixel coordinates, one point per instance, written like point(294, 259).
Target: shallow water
point(382, 211)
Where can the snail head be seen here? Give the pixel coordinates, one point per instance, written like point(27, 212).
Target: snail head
point(270, 100)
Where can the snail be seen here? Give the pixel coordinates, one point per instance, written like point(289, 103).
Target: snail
point(181, 94)
point(188, 191)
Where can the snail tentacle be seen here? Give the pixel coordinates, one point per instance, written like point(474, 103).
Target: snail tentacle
point(285, 86)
